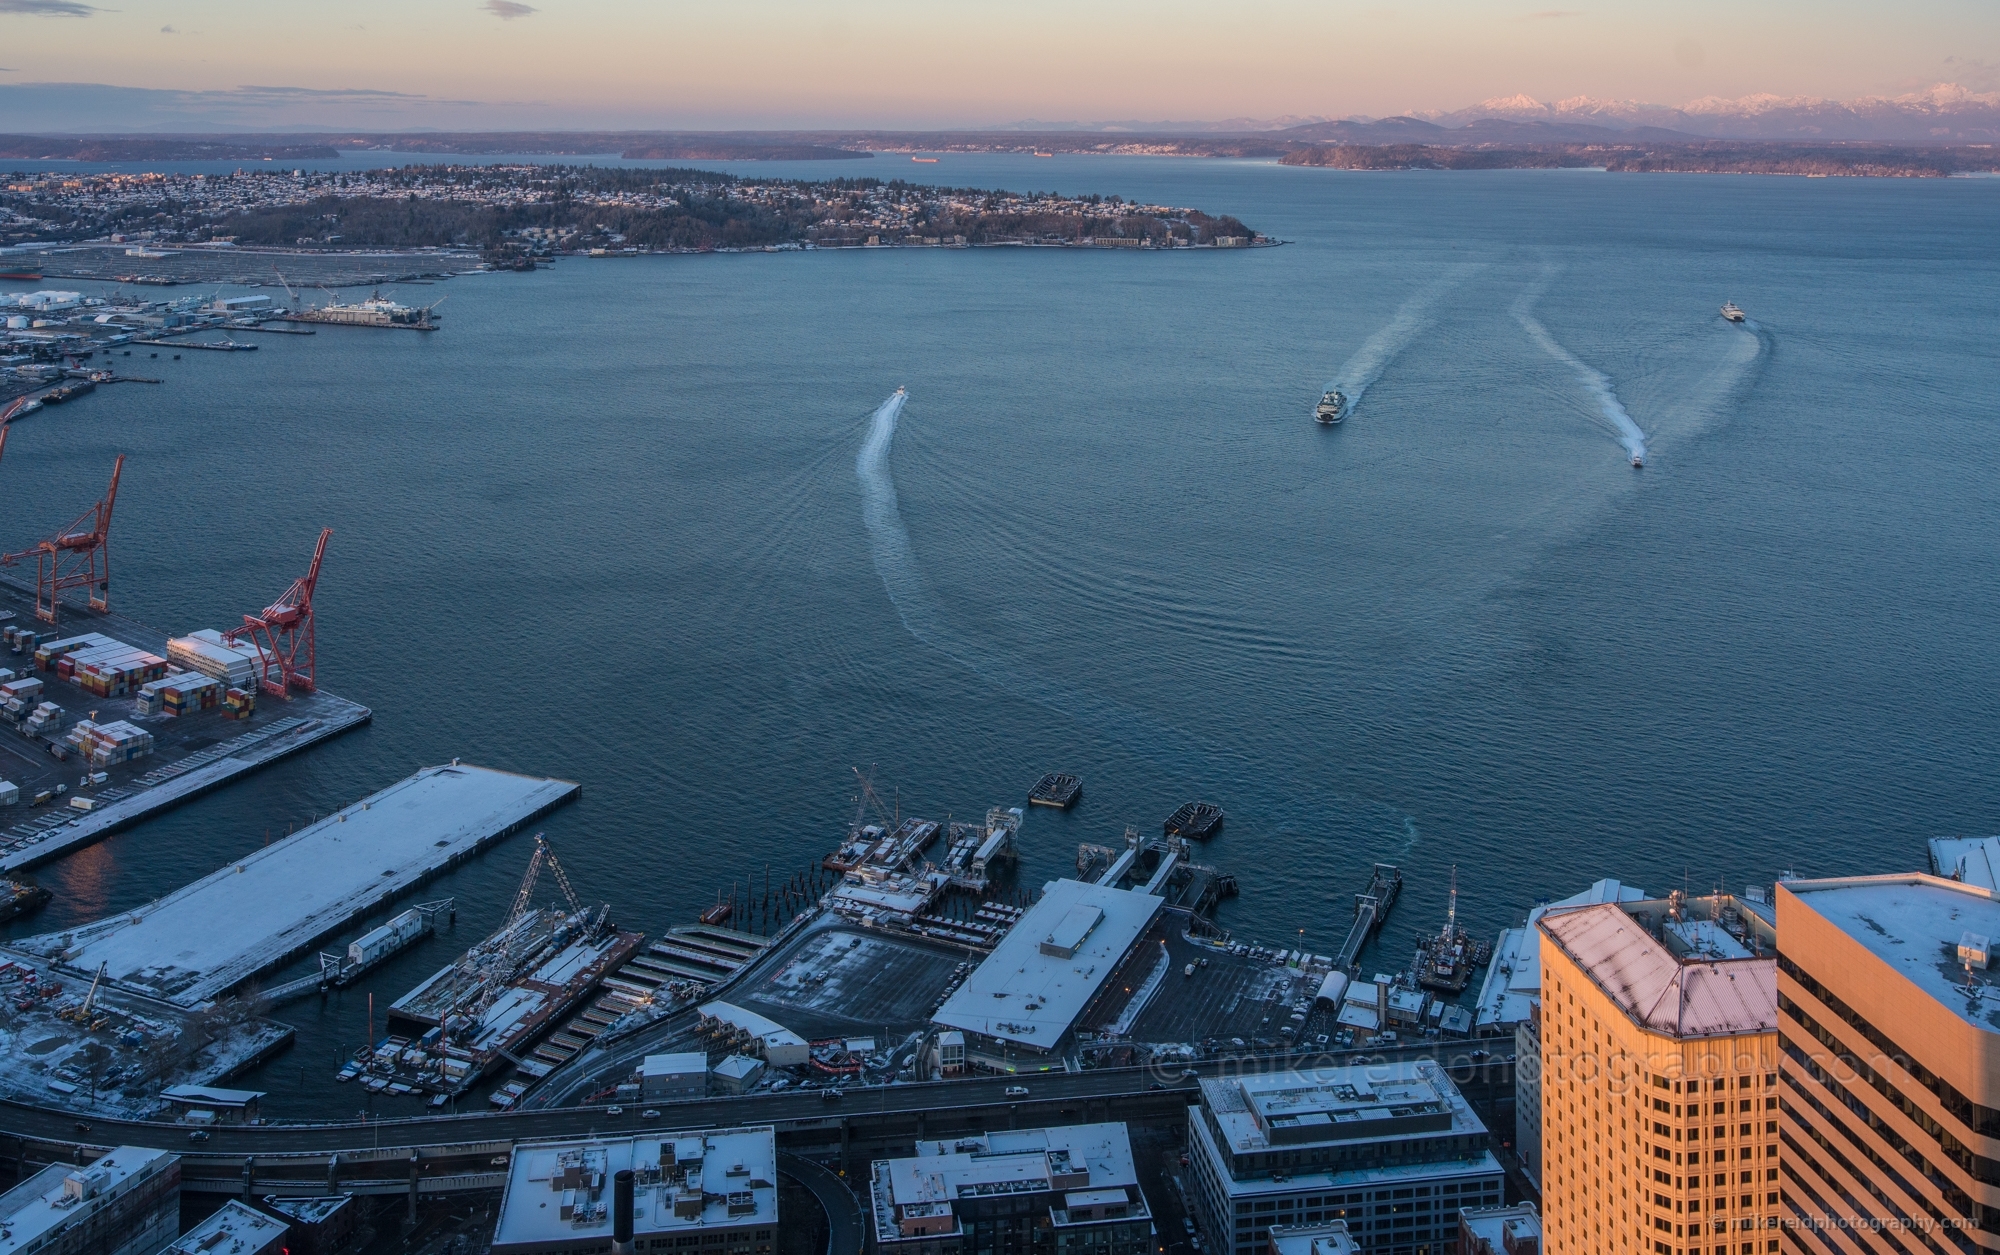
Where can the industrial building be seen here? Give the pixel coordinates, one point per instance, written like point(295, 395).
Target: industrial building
point(1891, 1050)
point(667, 1077)
point(127, 1202)
point(1392, 1149)
point(1659, 1069)
point(1018, 1009)
point(209, 1104)
point(234, 1230)
point(714, 1191)
point(1072, 1190)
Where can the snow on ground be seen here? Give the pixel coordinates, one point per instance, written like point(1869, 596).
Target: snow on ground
point(254, 914)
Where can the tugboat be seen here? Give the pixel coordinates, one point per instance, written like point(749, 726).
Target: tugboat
point(1332, 407)
point(1730, 311)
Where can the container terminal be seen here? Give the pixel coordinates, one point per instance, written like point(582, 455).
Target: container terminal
point(105, 721)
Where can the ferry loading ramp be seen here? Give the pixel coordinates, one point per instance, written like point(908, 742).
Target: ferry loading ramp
point(262, 910)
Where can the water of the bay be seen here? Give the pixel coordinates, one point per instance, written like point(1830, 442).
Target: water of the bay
point(610, 525)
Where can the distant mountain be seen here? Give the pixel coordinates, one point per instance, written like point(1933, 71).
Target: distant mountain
point(1945, 114)
point(1226, 126)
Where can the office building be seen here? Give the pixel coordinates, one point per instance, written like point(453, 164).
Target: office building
point(1072, 1190)
point(234, 1230)
point(1511, 1230)
point(1658, 1031)
point(1328, 1237)
point(705, 1192)
point(1392, 1149)
point(1890, 1112)
point(126, 1202)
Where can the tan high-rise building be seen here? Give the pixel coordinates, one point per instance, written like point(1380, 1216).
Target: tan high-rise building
point(1658, 1027)
point(1891, 1065)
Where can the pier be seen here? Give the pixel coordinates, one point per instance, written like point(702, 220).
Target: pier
point(259, 912)
point(1371, 909)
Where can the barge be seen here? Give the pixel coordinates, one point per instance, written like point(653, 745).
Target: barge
point(1195, 821)
point(1056, 789)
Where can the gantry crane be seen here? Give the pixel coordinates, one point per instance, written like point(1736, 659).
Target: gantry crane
point(282, 633)
point(78, 556)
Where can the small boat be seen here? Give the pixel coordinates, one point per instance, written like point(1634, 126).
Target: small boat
point(928, 161)
point(1332, 407)
point(1638, 462)
point(1731, 312)
point(1044, 154)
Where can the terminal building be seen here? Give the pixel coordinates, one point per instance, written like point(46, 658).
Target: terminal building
point(1393, 1150)
point(1891, 1063)
point(1659, 1077)
point(1072, 1190)
point(1018, 1009)
point(704, 1192)
point(127, 1202)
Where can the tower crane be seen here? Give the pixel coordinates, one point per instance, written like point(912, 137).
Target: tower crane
point(76, 556)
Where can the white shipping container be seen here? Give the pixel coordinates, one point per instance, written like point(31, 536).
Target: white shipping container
point(378, 943)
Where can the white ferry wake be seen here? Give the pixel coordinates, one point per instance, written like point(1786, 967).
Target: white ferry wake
point(1594, 381)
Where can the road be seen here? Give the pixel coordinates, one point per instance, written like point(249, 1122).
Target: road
point(466, 1145)
point(846, 1231)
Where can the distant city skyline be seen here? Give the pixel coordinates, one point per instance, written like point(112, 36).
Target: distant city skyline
point(460, 64)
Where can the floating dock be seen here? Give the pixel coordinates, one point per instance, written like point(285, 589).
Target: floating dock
point(1056, 789)
point(1195, 820)
point(263, 910)
point(189, 756)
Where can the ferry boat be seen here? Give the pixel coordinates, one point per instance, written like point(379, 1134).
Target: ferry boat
point(1731, 312)
point(376, 311)
point(1332, 407)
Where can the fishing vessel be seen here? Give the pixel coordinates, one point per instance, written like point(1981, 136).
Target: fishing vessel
point(1332, 407)
point(1731, 312)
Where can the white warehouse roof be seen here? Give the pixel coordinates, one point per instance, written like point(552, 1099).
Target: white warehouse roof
point(1050, 964)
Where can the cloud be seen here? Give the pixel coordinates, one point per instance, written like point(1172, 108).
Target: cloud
point(47, 8)
point(168, 30)
point(505, 10)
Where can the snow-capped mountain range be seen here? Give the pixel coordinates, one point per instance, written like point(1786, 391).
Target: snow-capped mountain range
point(1947, 113)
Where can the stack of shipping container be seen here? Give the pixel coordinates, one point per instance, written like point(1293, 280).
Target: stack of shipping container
point(111, 670)
point(19, 639)
point(105, 744)
point(19, 697)
point(180, 695)
point(205, 651)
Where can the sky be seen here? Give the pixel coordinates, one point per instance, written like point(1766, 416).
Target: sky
point(662, 64)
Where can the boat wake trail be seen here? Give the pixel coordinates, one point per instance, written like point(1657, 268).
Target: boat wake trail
point(1380, 349)
point(1139, 732)
point(1595, 381)
point(888, 539)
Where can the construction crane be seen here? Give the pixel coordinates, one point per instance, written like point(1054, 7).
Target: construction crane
point(282, 633)
point(288, 288)
point(545, 855)
point(77, 556)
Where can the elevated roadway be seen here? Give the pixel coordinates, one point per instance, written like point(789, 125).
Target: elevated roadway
point(442, 1154)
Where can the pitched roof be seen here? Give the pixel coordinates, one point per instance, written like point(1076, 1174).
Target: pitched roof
point(1663, 994)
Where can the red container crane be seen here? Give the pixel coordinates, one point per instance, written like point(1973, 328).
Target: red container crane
point(283, 633)
point(78, 556)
